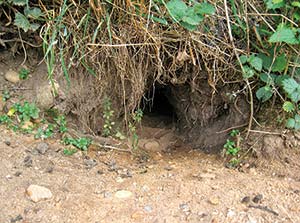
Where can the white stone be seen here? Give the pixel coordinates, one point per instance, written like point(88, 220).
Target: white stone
point(123, 194)
point(37, 193)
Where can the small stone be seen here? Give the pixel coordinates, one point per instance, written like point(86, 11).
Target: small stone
point(214, 200)
point(148, 208)
point(207, 176)
point(90, 163)
point(7, 142)
point(37, 193)
point(119, 180)
point(257, 198)
point(169, 168)
point(18, 173)
point(9, 177)
point(152, 146)
point(27, 161)
point(42, 147)
point(107, 194)
point(12, 76)
point(245, 200)
point(123, 194)
point(184, 207)
point(138, 216)
point(16, 219)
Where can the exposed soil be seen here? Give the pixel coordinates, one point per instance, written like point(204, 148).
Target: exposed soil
point(169, 181)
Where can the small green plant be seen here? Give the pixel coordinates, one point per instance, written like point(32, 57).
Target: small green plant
point(232, 148)
point(5, 95)
point(23, 73)
point(5, 119)
point(107, 115)
point(69, 152)
point(45, 133)
point(25, 111)
point(80, 143)
point(62, 123)
point(137, 118)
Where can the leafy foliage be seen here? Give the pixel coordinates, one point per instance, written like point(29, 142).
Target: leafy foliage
point(80, 143)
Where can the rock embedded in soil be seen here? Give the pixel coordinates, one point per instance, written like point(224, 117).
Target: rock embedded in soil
point(42, 147)
point(123, 194)
point(27, 161)
point(16, 219)
point(12, 76)
point(214, 200)
point(152, 146)
point(245, 200)
point(257, 198)
point(37, 193)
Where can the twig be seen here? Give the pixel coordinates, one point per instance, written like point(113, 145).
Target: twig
point(266, 132)
point(264, 208)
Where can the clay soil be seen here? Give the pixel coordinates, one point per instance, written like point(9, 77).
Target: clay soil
point(169, 181)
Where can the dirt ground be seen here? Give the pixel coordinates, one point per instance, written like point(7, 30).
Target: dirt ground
point(170, 183)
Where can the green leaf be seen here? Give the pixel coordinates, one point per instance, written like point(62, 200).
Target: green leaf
point(267, 60)
point(279, 79)
point(288, 106)
point(284, 34)
point(255, 62)
point(159, 20)
point(204, 8)
point(290, 123)
point(296, 4)
point(272, 5)
point(268, 79)
point(280, 63)
point(22, 22)
point(177, 9)
point(248, 72)
point(193, 19)
point(264, 93)
point(292, 89)
point(243, 59)
point(188, 26)
point(33, 13)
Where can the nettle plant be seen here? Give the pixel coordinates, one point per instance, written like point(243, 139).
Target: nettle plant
point(277, 65)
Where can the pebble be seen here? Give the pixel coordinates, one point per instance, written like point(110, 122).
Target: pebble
point(37, 193)
point(214, 200)
point(90, 163)
point(12, 76)
point(257, 198)
point(42, 147)
point(107, 194)
point(148, 208)
point(18, 173)
point(184, 207)
point(123, 194)
point(49, 169)
point(230, 213)
point(245, 200)
point(27, 161)
point(8, 177)
point(7, 142)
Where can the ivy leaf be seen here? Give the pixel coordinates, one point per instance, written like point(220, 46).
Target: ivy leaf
point(255, 62)
point(264, 93)
point(22, 22)
point(284, 34)
point(204, 8)
point(177, 9)
point(288, 106)
point(280, 63)
point(292, 89)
